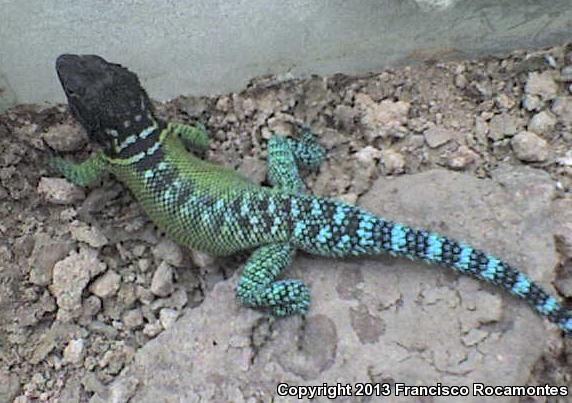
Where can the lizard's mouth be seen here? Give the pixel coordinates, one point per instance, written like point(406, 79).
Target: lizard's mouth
point(77, 76)
point(74, 73)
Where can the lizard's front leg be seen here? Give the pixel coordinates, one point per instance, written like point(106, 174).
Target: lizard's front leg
point(195, 136)
point(257, 287)
point(84, 173)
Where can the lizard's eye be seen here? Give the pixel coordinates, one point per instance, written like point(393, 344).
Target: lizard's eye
point(74, 93)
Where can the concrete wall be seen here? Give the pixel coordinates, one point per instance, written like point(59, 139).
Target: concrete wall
point(213, 46)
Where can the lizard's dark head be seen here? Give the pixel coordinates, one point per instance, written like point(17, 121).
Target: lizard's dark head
point(106, 98)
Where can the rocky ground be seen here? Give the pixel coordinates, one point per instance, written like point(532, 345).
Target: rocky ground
point(480, 150)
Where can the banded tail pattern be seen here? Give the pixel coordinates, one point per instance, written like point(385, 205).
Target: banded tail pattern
point(333, 228)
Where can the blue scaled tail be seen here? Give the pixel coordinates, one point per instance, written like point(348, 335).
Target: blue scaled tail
point(333, 228)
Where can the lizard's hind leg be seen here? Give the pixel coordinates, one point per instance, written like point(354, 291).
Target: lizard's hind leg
point(286, 156)
point(308, 152)
point(257, 287)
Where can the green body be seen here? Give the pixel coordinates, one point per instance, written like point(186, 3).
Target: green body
point(194, 222)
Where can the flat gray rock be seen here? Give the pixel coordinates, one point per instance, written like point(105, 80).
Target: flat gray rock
point(378, 319)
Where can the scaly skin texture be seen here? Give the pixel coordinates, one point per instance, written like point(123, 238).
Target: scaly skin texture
point(216, 210)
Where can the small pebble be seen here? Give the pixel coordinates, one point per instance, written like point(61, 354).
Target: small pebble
point(532, 102)
point(60, 191)
point(107, 285)
point(65, 137)
point(169, 251)
point(562, 108)
point(541, 84)
point(566, 74)
point(88, 234)
point(162, 281)
point(501, 126)
point(393, 162)
point(152, 329)
point(462, 158)
point(529, 147)
point(73, 353)
point(144, 295)
point(437, 136)
point(91, 306)
point(367, 155)
point(461, 81)
point(201, 259)
point(541, 123)
point(133, 318)
point(168, 316)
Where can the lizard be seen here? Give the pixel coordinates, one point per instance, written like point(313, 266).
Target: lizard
point(216, 210)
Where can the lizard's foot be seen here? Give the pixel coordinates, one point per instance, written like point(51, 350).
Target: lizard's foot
point(258, 287)
point(566, 324)
point(80, 174)
point(282, 298)
point(308, 152)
